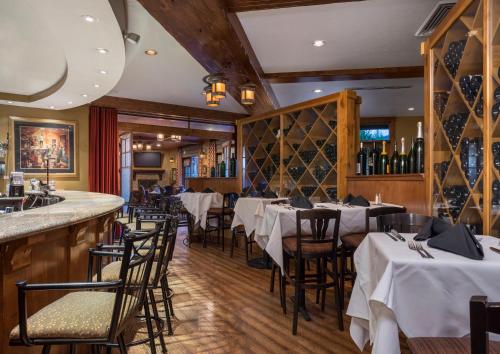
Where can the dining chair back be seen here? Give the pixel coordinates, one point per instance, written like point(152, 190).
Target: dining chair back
point(402, 222)
point(384, 210)
point(484, 318)
point(319, 221)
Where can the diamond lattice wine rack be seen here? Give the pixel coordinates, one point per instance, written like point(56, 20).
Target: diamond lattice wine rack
point(298, 150)
point(462, 73)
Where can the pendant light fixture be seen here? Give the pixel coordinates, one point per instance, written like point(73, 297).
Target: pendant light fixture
point(160, 137)
point(140, 146)
point(176, 138)
point(134, 146)
point(210, 100)
point(247, 94)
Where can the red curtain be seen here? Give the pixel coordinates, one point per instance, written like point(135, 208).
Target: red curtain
point(103, 151)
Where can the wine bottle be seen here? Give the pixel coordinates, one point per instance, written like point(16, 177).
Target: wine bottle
point(384, 161)
point(403, 159)
point(418, 149)
point(232, 166)
point(369, 162)
point(375, 158)
point(394, 164)
point(361, 161)
point(222, 169)
point(411, 158)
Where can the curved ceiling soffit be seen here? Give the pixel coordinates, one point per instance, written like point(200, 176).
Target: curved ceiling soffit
point(82, 81)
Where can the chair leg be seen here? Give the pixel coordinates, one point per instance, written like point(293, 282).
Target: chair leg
point(323, 291)
point(46, 349)
point(149, 325)
point(283, 292)
point(72, 349)
point(205, 236)
point(273, 272)
point(296, 301)
point(221, 227)
point(121, 344)
point(166, 304)
point(343, 265)
point(337, 294)
point(159, 322)
point(246, 246)
point(95, 349)
point(318, 278)
point(169, 297)
point(233, 239)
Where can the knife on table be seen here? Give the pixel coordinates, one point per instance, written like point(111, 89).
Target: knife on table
point(398, 235)
point(391, 236)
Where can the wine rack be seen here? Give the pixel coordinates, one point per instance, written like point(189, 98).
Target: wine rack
point(293, 150)
point(463, 143)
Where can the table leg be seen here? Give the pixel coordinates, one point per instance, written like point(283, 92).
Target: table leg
point(263, 262)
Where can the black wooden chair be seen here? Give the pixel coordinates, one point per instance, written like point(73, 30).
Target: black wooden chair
point(350, 243)
point(318, 246)
point(85, 315)
point(484, 318)
point(403, 222)
point(167, 226)
point(221, 215)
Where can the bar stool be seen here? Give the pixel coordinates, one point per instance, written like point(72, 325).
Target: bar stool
point(219, 214)
point(91, 317)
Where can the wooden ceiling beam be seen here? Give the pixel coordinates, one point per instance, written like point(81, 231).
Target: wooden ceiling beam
point(345, 74)
point(253, 5)
point(166, 110)
point(155, 129)
point(202, 27)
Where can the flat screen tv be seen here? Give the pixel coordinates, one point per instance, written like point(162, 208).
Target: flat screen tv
point(374, 133)
point(147, 159)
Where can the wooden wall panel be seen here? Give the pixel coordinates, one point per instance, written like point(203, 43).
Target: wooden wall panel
point(221, 185)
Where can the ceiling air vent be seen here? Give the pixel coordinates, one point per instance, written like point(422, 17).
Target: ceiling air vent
point(437, 15)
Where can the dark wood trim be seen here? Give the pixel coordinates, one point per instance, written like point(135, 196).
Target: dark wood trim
point(252, 5)
point(166, 110)
point(155, 129)
point(407, 177)
point(345, 74)
point(139, 171)
point(202, 27)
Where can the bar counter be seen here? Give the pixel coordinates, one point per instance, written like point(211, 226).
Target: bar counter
point(217, 184)
point(46, 245)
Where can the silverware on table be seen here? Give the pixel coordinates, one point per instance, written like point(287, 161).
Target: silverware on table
point(391, 236)
point(398, 235)
point(494, 249)
point(413, 246)
point(420, 247)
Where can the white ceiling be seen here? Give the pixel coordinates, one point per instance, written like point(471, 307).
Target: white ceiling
point(364, 34)
point(42, 39)
point(376, 101)
point(172, 76)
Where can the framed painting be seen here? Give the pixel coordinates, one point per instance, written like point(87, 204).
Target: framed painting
point(39, 143)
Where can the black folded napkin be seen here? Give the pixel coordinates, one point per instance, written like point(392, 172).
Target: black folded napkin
point(269, 194)
point(348, 198)
point(190, 190)
point(458, 239)
point(360, 201)
point(207, 190)
point(432, 228)
point(301, 202)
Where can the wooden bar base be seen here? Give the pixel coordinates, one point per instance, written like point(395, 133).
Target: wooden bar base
point(407, 190)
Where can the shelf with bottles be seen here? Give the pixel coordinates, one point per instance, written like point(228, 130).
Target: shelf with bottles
point(463, 122)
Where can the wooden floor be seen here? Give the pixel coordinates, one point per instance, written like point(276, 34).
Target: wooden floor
point(223, 306)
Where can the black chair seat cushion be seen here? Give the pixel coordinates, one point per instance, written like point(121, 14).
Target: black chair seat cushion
point(437, 345)
point(311, 249)
point(351, 241)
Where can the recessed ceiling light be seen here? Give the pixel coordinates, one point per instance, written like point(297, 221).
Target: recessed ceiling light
point(317, 90)
point(70, 102)
point(9, 102)
point(89, 19)
point(97, 85)
point(52, 107)
point(411, 108)
point(84, 95)
point(104, 72)
point(102, 50)
point(158, 145)
point(150, 52)
point(319, 43)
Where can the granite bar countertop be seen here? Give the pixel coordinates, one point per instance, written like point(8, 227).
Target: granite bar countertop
point(76, 207)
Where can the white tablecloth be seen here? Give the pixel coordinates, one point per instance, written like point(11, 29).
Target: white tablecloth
point(249, 212)
point(197, 204)
point(396, 289)
point(279, 221)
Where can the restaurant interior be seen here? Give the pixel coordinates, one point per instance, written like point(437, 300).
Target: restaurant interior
point(250, 176)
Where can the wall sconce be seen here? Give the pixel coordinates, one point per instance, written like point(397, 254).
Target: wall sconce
point(247, 94)
point(140, 146)
point(160, 137)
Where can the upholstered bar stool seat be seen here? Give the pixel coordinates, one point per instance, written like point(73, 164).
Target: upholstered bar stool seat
point(82, 314)
point(430, 345)
point(312, 249)
point(111, 272)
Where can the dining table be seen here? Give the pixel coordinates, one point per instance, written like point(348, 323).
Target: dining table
point(249, 212)
point(396, 289)
point(280, 221)
point(197, 204)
